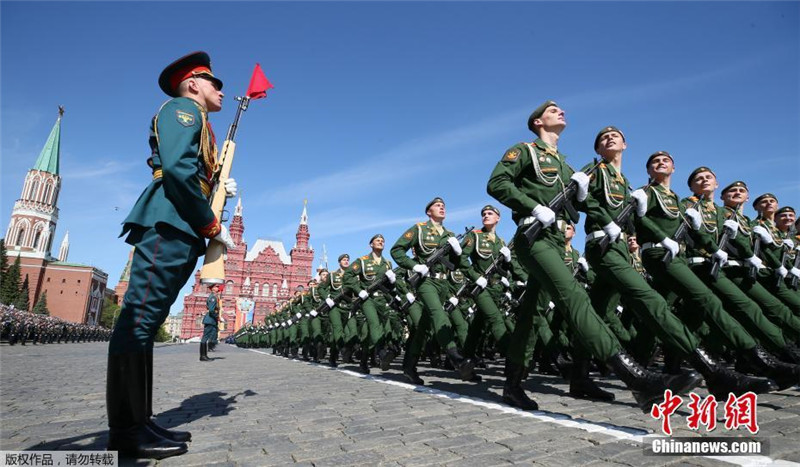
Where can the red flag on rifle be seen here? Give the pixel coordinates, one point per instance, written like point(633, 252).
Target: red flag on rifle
point(259, 84)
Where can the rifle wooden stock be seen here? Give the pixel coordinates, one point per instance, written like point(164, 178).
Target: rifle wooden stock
point(213, 271)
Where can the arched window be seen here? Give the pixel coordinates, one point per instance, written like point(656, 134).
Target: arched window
point(34, 189)
point(255, 289)
point(47, 189)
point(20, 236)
point(36, 239)
point(229, 288)
point(274, 290)
point(265, 293)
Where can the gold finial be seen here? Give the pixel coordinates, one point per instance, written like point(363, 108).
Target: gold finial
point(60, 111)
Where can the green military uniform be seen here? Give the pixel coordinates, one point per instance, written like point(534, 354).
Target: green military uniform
point(210, 324)
point(456, 279)
point(339, 315)
point(772, 254)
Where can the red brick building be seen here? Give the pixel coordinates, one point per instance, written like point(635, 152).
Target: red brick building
point(74, 291)
point(257, 280)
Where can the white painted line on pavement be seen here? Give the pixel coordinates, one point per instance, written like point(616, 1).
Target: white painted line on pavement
point(623, 433)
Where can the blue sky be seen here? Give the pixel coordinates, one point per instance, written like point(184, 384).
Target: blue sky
point(380, 106)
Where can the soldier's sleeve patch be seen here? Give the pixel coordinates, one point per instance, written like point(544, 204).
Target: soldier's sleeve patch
point(409, 235)
point(184, 118)
point(511, 155)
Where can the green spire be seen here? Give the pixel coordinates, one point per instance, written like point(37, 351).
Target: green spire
point(48, 159)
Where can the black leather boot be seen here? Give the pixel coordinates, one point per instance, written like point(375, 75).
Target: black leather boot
point(764, 364)
point(333, 356)
point(172, 435)
point(513, 394)
point(386, 355)
point(204, 352)
point(790, 354)
point(647, 387)
point(581, 386)
point(363, 364)
point(465, 366)
point(410, 369)
point(721, 381)
point(347, 354)
point(127, 406)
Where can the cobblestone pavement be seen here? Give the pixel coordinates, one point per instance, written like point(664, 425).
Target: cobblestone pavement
point(251, 408)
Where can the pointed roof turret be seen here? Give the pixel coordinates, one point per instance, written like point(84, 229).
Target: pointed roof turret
point(48, 158)
point(238, 210)
point(304, 216)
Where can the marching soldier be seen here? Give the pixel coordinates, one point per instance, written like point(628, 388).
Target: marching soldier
point(210, 321)
point(773, 246)
point(168, 226)
point(339, 313)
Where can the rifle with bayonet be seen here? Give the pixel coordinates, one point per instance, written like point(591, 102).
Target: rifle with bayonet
point(562, 201)
point(681, 233)
point(622, 219)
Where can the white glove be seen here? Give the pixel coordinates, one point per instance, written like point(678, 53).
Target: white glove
point(363, 295)
point(298, 315)
point(672, 246)
point(506, 253)
point(755, 261)
point(410, 297)
point(583, 264)
point(695, 219)
point(453, 300)
point(471, 310)
point(759, 230)
point(330, 302)
point(231, 189)
point(795, 272)
point(224, 237)
point(482, 282)
point(789, 243)
point(289, 322)
point(390, 275)
point(313, 313)
point(509, 296)
point(453, 241)
point(421, 269)
point(733, 228)
point(551, 305)
point(520, 284)
point(619, 308)
point(505, 282)
point(640, 197)
point(544, 215)
point(720, 256)
point(612, 230)
point(782, 271)
point(583, 185)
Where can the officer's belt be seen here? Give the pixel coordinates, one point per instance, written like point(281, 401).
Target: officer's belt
point(204, 186)
point(438, 275)
point(648, 245)
point(697, 260)
point(733, 262)
point(595, 234)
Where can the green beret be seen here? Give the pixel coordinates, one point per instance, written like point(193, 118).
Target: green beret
point(734, 185)
point(764, 196)
point(343, 256)
point(697, 171)
point(784, 209)
point(432, 202)
point(605, 130)
point(374, 237)
point(489, 207)
point(537, 113)
point(656, 154)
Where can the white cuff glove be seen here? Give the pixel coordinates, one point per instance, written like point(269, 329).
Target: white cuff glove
point(733, 228)
point(482, 282)
point(640, 197)
point(313, 313)
point(755, 261)
point(509, 296)
point(390, 275)
point(298, 315)
point(520, 284)
point(619, 308)
point(225, 238)
point(759, 230)
point(231, 189)
point(506, 254)
point(410, 297)
point(612, 230)
point(453, 300)
point(363, 295)
point(471, 310)
point(551, 306)
point(453, 241)
point(782, 271)
point(720, 256)
point(695, 219)
point(789, 244)
point(583, 185)
point(330, 302)
point(544, 215)
point(421, 269)
point(289, 322)
point(505, 282)
point(583, 264)
point(795, 272)
point(672, 246)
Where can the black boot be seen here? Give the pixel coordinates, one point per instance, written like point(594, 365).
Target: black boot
point(127, 406)
point(363, 364)
point(410, 369)
point(721, 381)
point(347, 354)
point(581, 386)
point(764, 364)
point(295, 351)
point(305, 354)
point(513, 394)
point(647, 387)
point(319, 351)
point(463, 365)
point(386, 355)
point(791, 354)
point(204, 352)
point(333, 356)
point(172, 435)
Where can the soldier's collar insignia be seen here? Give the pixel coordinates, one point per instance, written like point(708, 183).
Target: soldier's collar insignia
point(184, 118)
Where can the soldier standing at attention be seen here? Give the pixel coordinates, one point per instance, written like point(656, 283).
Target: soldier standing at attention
point(526, 179)
point(167, 226)
point(210, 321)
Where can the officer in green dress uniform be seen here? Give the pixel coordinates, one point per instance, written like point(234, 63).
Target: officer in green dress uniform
point(311, 300)
point(168, 226)
point(526, 180)
point(773, 245)
point(785, 219)
point(210, 321)
point(424, 238)
point(340, 311)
